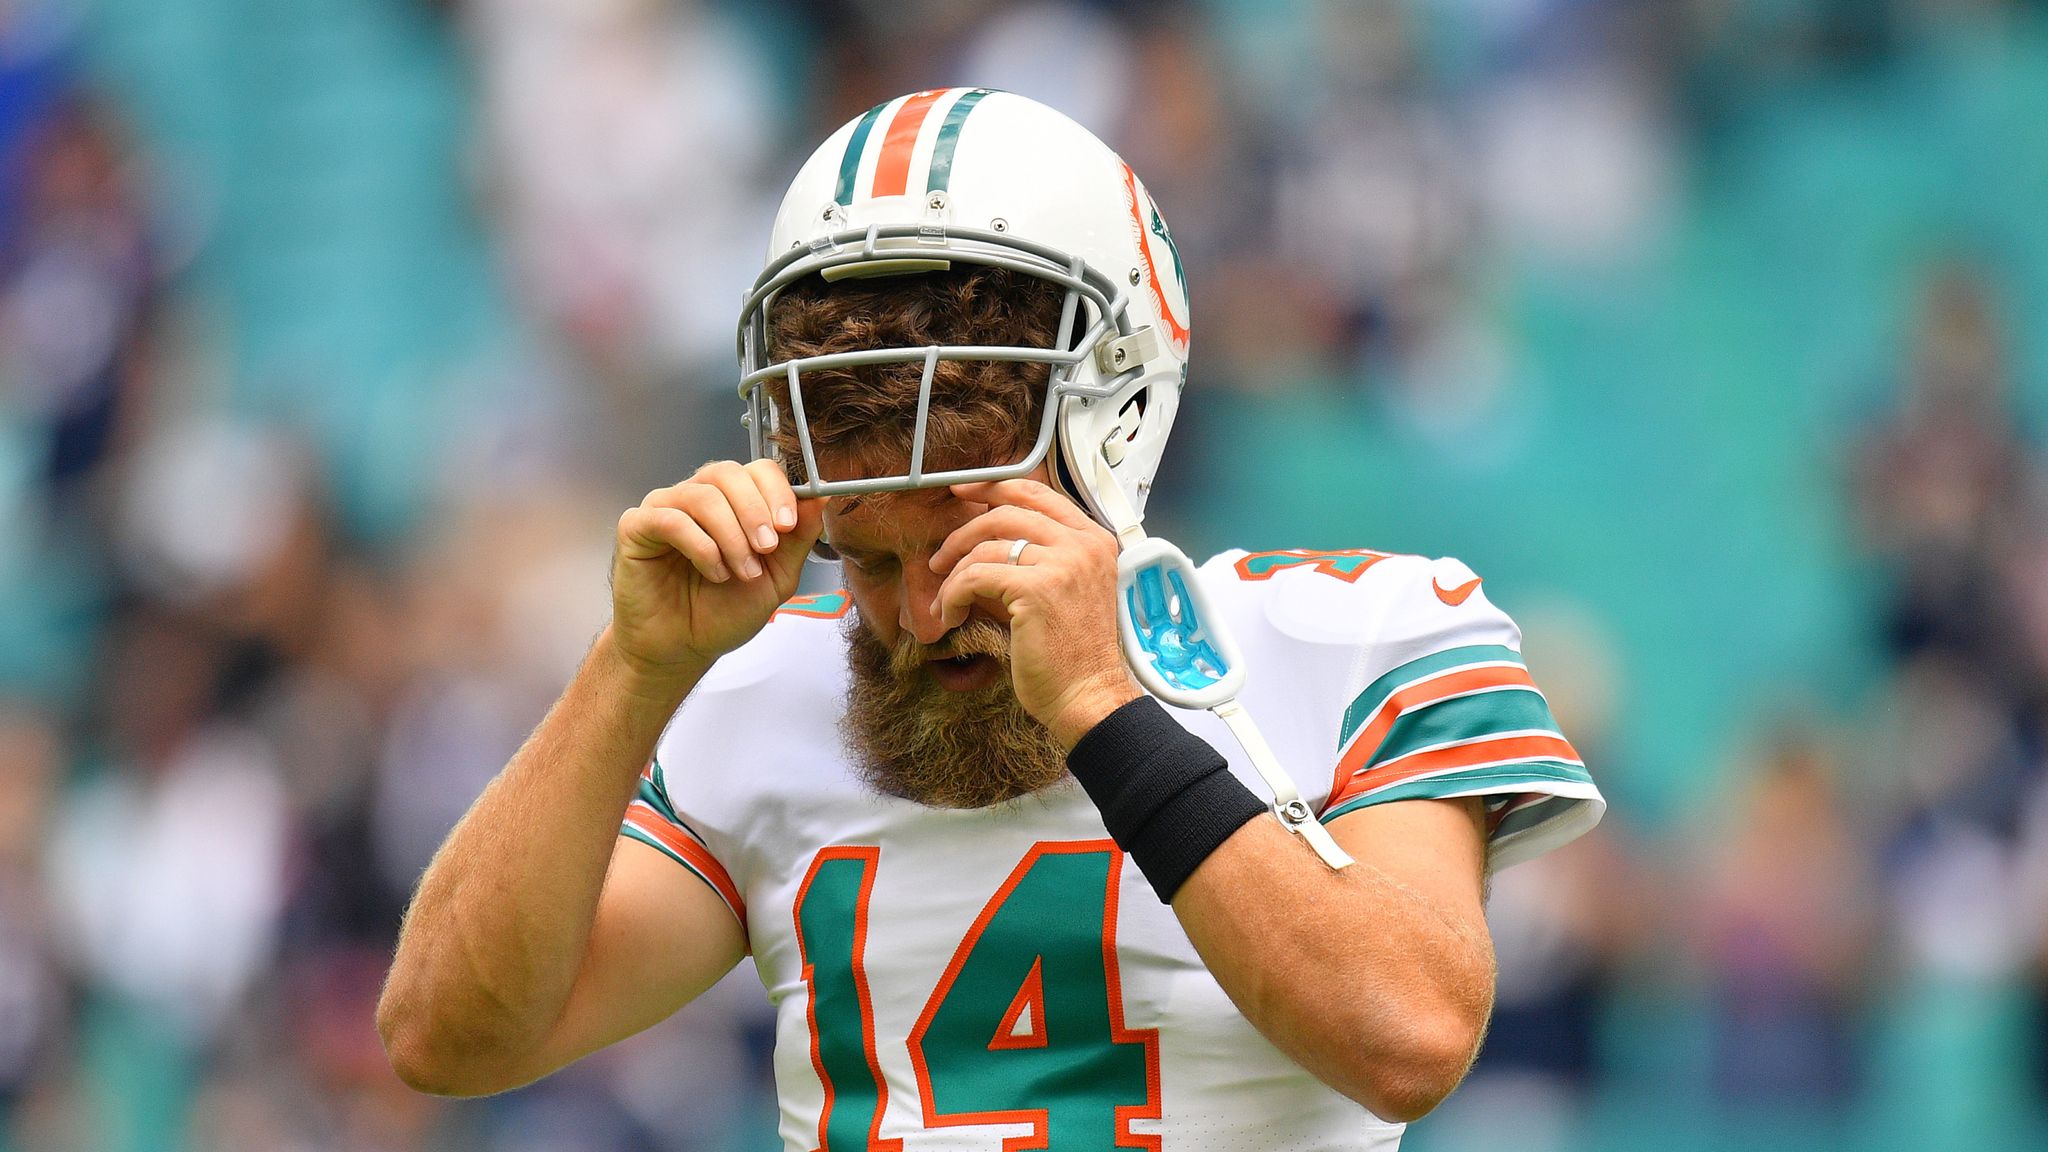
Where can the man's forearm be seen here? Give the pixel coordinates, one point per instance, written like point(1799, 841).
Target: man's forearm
point(1378, 978)
point(495, 935)
point(1362, 980)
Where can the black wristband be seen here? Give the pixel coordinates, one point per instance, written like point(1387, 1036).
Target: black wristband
point(1166, 796)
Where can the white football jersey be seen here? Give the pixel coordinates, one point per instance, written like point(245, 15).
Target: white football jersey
point(1004, 978)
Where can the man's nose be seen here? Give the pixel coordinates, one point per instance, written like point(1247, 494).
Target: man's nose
point(920, 588)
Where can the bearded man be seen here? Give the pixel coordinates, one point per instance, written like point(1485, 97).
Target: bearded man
point(999, 896)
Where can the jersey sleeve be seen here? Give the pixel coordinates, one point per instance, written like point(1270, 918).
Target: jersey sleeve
point(653, 820)
point(705, 800)
point(1440, 704)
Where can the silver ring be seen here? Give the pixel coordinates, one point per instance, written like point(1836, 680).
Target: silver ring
point(1017, 551)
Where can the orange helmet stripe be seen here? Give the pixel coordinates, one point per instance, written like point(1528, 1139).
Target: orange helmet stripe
point(892, 168)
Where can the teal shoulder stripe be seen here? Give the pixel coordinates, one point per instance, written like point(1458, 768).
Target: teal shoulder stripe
point(1535, 776)
point(1415, 669)
point(849, 164)
point(634, 833)
point(657, 798)
point(948, 139)
point(650, 794)
point(1466, 718)
point(627, 830)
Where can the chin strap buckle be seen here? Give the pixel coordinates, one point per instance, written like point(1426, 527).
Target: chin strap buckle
point(1124, 353)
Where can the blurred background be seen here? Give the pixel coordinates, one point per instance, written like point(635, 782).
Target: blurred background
point(1713, 333)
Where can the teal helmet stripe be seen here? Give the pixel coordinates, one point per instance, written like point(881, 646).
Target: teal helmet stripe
point(949, 139)
point(849, 164)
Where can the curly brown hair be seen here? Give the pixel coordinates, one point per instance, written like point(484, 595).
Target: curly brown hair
point(982, 412)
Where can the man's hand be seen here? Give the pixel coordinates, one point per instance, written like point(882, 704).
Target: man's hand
point(1060, 596)
point(700, 566)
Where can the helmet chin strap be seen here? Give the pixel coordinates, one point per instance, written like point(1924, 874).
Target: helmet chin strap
point(1180, 652)
point(1116, 507)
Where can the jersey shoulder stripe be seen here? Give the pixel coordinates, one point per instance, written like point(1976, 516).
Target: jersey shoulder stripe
point(1416, 671)
point(1453, 718)
point(1463, 708)
point(652, 820)
point(1490, 752)
point(1434, 700)
point(1525, 783)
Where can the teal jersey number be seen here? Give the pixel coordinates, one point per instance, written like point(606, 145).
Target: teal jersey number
point(831, 937)
point(1025, 1026)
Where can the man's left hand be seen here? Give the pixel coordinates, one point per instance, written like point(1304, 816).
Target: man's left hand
point(1059, 594)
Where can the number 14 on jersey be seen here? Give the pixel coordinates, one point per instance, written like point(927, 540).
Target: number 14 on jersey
point(1024, 1027)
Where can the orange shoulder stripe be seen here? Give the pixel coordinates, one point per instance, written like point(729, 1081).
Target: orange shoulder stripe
point(1468, 755)
point(647, 820)
point(1427, 691)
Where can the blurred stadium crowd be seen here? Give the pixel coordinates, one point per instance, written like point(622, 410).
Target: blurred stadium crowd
point(333, 334)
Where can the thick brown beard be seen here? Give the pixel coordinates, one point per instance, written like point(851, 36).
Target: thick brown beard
point(909, 737)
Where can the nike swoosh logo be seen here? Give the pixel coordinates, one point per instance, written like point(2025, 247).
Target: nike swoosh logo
point(1454, 596)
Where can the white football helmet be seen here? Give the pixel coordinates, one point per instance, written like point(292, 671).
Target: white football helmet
point(954, 176)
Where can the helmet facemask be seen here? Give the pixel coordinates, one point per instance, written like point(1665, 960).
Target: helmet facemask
point(1093, 316)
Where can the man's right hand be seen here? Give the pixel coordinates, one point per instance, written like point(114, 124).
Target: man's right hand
point(700, 566)
point(519, 955)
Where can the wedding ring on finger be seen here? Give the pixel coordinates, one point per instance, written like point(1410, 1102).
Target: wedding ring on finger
point(1017, 551)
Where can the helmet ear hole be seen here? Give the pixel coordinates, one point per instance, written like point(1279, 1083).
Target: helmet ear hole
point(1131, 416)
point(1129, 419)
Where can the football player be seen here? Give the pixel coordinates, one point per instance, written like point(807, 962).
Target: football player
point(999, 896)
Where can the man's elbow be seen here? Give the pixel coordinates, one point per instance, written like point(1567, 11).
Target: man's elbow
point(429, 1059)
point(1404, 1081)
point(410, 1046)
